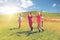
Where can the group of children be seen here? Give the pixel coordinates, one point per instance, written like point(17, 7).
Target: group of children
point(39, 19)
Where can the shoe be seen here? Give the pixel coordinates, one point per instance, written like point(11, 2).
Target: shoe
point(39, 31)
point(32, 29)
point(42, 29)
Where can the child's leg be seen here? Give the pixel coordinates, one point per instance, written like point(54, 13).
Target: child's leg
point(39, 27)
point(42, 23)
point(19, 25)
point(42, 26)
point(31, 26)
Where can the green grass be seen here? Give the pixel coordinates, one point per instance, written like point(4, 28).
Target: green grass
point(21, 34)
point(52, 15)
point(46, 14)
point(9, 28)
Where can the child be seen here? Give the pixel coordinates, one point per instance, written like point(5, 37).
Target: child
point(30, 20)
point(42, 21)
point(20, 20)
point(39, 20)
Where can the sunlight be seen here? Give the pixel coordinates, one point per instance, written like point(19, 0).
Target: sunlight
point(9, 9)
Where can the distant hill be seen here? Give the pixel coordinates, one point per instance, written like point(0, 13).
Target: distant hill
point(46, 14)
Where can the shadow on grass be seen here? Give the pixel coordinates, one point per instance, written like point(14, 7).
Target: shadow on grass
point(20, 32)
point(28, 33)
point(13, 28)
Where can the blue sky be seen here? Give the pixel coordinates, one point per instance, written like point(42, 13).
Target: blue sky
point(12, 6)
point(47, 5)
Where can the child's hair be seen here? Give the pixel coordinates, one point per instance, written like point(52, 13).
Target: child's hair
point(20, 13)
point(30, 13)
point(40, 13)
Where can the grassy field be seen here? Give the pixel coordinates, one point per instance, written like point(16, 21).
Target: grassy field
point(9, 28)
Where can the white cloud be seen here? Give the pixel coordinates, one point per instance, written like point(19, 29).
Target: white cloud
point(54, 5)
point(5, 0)
point(9, 9)
point(15, 6)
point(26, 3)
point(1, 1)
point(21, 3)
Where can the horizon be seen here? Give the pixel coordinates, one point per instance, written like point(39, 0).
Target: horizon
point(14, 6)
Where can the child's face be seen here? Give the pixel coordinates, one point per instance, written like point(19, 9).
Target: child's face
point(20, 14)
point(39, 13)
point(30, 14)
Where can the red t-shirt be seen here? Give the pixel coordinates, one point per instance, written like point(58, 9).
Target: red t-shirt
point(38, 17)
point(30, 19)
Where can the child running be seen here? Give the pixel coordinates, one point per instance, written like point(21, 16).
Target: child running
point(30, 20)
point(20, 20)
point(42, 20)
point(39, 20)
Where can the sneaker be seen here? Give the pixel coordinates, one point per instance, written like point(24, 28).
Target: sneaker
point(32, 29)
point(39, 31)
point(42, 29)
